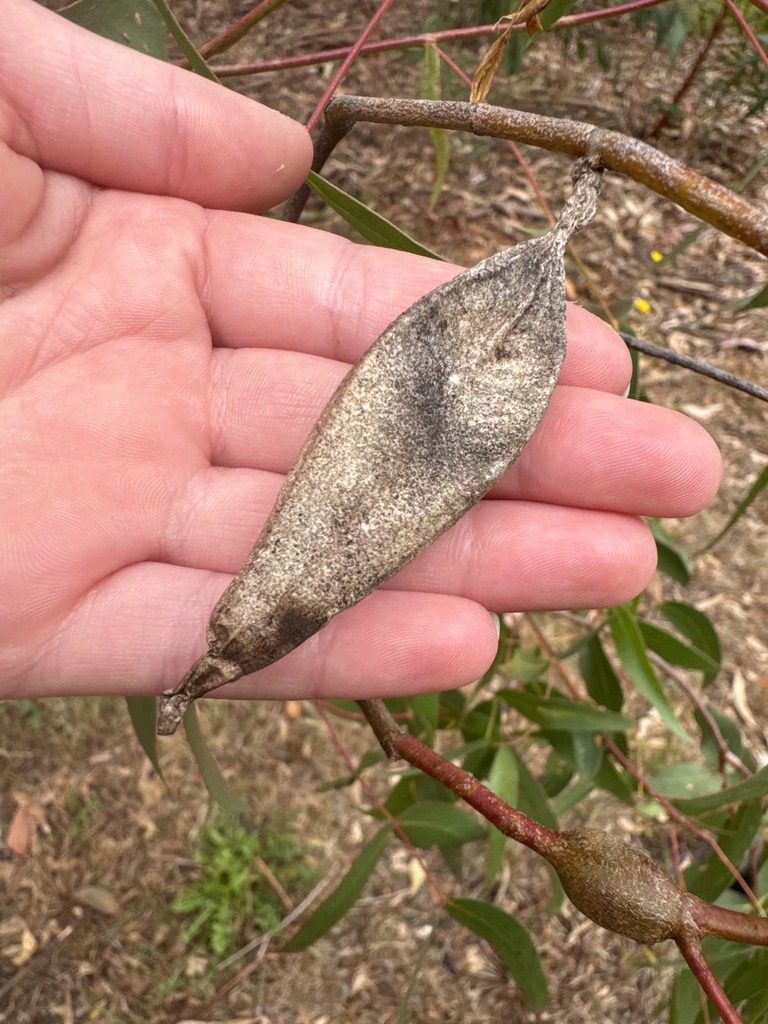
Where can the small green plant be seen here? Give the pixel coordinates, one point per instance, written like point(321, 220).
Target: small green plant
point(245, 876)
point(81, 812)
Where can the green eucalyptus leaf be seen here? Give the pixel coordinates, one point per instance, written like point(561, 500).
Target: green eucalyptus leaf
point(212, 777)
point(210, 771)
point(435, 823)
point(759, 485)
point(671, 563)
point(696, 627)
point(603, 685)
point(184, 43)
point(502, 780)
point(532, 797)
point(344, 896)
point(524, 666)
point(511, 942)
point(754, 788)
point(143, 712)
point(630, 646)
point(564, 714)
point(677, 652)
point(426, 711)
point(686, 780)
point(371, 225)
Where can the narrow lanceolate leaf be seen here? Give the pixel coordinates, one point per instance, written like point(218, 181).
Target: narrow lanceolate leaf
point(210, 771)
point(435, 823)
point(511, 942)
point(672, 563)
point(426, 709)
point(696, 626)
point(759, 485)
point(431, 90)
point(630, 647)
point(502, 780)
point(371, 225)
point(343, 896)
point(143, 712)
point(603, 685)
point(184, 43)
point(677, 652)
point(556, 712)
point(416, 434)
point(754, 788)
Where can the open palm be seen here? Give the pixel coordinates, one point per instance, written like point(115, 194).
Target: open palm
point(163, 358)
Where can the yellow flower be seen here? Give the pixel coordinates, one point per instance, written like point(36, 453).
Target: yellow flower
point(642, 306)
point(656, 256)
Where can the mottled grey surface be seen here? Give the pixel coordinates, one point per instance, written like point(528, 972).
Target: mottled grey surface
point(417, 432)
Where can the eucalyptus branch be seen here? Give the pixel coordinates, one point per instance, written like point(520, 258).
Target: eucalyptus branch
point(613, 884)
point(694, 192)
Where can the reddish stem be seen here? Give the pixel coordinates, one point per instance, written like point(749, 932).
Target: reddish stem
point(336, 740)
point(747, 31)
point(350, 58)
point(729, 924)
point(511, 822)
point(406, 42)
point(691, 950)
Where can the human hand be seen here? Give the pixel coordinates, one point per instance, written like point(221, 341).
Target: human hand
point(164, 356)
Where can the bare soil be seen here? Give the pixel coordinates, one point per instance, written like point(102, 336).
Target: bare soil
point(86, 931)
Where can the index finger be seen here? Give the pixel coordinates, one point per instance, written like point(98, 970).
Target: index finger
point(118, 118)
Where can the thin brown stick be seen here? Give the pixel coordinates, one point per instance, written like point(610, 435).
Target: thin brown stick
point(663, 121)
point(726, 755)
point(696, 193)
point(697, 365)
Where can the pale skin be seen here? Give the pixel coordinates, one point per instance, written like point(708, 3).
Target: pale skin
point(164, 354)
